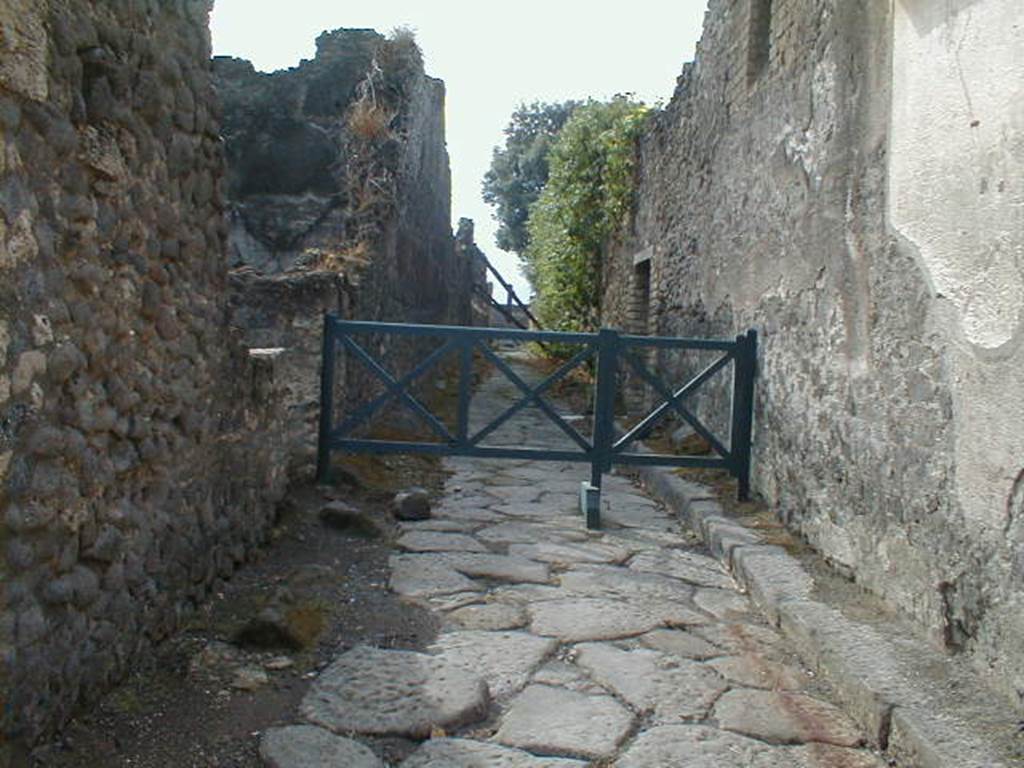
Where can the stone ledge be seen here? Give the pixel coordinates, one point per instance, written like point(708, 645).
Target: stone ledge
point(927, 709)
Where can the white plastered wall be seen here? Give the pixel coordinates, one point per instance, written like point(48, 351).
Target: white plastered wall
point(956, 170)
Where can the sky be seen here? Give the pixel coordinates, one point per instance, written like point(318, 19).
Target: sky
point(492, 57)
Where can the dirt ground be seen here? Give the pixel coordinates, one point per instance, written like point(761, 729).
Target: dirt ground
point(203, 699)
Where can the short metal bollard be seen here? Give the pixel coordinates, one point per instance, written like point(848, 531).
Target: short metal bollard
point(590, 505)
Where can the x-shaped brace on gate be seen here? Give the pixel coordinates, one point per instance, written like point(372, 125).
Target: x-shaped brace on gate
point(533, 395)
point(396, 388)
point(674, 401)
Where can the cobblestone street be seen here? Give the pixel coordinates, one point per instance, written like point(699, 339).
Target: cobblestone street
point(627, 647)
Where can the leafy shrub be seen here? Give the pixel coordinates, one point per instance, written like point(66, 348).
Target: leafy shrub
point(587, 201)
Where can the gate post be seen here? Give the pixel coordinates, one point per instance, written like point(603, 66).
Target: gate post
point(604, 424)
point(743, 409)
point(465, 389)
point(323, 447)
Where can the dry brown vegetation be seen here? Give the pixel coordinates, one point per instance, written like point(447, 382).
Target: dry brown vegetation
point(370, 121)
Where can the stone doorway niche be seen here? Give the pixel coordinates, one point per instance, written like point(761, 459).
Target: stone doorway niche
point(636, 394)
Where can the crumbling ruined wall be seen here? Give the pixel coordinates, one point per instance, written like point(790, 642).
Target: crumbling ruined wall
point(339, 196)
point(285, 312)
point(342, 162)
point(139, 450)
point(285, 146)
point(846, 177)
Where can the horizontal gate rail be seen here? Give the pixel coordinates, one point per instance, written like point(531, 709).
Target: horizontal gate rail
point(340, 327)
point(606, 447)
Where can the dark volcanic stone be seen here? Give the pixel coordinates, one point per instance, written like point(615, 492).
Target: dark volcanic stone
point(412, 504)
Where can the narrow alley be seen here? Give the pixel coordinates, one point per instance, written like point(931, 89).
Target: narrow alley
point(560, 646)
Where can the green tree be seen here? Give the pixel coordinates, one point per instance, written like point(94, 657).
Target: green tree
point(519, 170)
point(587, 200)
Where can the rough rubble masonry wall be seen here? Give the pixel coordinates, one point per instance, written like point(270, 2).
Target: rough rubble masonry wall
point(848, 177)
point(138, 451)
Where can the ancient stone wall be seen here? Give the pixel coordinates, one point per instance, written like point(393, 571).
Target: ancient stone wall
point(139, 451)
point(342, 162)
point(153, 407)
point(339, 198)
point(285, 312)
point(845, 177)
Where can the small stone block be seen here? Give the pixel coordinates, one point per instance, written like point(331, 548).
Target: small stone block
point(413, 504)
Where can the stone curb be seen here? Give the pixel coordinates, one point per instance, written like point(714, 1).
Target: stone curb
point(925, 709)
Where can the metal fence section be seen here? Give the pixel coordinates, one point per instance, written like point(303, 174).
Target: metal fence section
point(608, 352)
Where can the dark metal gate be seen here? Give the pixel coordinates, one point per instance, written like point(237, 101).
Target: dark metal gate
point(605, 448)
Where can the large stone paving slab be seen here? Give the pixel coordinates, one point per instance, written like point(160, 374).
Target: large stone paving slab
point(467, 513)
point(645, 540)
point(473, 494)
point(517, 570)
point(462, 753)
point(521, 492)
point(547, 509)
point(568, 486)
point(439, 573)
point(306, 746)
point(455, 600)
point(490, 616)
point(691, 746)
point(580, 619)
point(671, 689)
point(754, 671)
point(526, 594)
point(738, 637)
point(543, 472)
point(725, 604)
point(570, 553)
point(679, 642)
point(565, 674)
point(785, 718)
point(449, 526)
point(816, 756)
point(554, 721)
point(613, 582)
point(688, 566)
point(625, 494)
point(519, 532)
point(505, 660)
point(427, 576)
point(648, 517)
point(400, 693)
point(436, 541)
